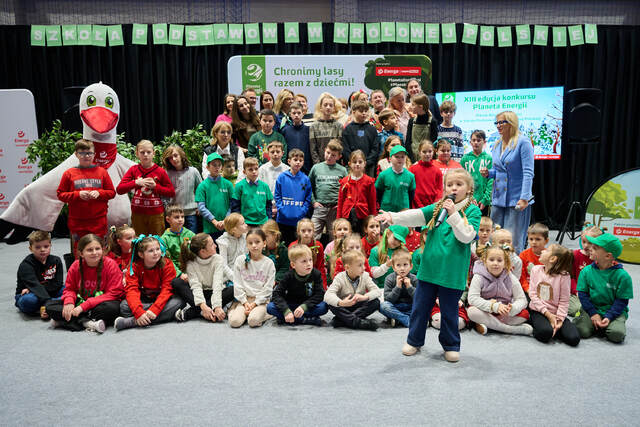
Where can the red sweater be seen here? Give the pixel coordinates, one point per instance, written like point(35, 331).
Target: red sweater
point(110, 283)
point(340, 267)
point(580, 261)
point(528, 257)
point(318, 262)
point(366, 246)
point(75, 180)
point(357, 194)
point(444, 168)
point(122, 260)
point(145, 201)
point(154, 284)
point(428, 184)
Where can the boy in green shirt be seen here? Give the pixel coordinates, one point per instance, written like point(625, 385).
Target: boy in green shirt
point(473, 162)
point(253, 198)
point(260, 140)
point(396, 186)
point(604, 289)
point(175, 235)
point(213, 197)
point(325, 185)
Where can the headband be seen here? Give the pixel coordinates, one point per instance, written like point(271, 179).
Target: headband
point(163, 248)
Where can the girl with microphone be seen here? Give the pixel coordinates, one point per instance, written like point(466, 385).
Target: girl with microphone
point(453, 223)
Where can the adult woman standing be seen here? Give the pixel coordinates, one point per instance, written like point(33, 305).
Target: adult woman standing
point(397, 103)
point(513, 179)
point(229, 101)
point(284, 99)
point(221, 143)
point(415, 88)
point(245, 121)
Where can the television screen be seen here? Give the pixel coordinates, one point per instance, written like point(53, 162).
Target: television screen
point(539, 113)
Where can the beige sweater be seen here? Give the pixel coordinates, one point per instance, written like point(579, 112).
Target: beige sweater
point(342, 288)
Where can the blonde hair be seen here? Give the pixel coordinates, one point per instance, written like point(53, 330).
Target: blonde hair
point(249, 161)
point(38, 236)
point(271, 227)
point(349, 257)
point(216, 128)
point(401, 253)
point(486, 222)
point(277, 105)
point(338, 249)
point(143, 142)
point(317, 113)
point(299, 250)
point(383, 247)
point(354, 155)
point(314, 249)
point(116, 233)
point(483, 253)
point(232, 221)
point(275, 144)
point(514, 134)
point(460, 173)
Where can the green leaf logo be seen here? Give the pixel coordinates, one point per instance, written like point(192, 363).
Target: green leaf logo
point(254, 72)
point(449, 96)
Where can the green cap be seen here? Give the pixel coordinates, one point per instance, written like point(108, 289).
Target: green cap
point(398, 149)
point(608, 242)
point(400, 232)
point(214, 156)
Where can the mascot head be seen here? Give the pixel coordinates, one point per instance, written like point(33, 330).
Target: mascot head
point(100, 111)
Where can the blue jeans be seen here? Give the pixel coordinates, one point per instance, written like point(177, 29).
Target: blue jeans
point(515, 221)
point(30, 304)
point(317, 311)
point(191, 222)
point(400, 311)
point(424, 299)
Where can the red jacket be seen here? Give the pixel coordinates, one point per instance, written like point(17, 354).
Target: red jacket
point(154, 284)
point(122, 260)
point(318, 262)
point(144, 201)
point(428, 184)
point(110, 283)
point(359, 194)
point(75, 180)
point(580, 261)
point(366, 246)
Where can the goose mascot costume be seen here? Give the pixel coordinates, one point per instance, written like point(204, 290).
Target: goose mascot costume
point(37, 205)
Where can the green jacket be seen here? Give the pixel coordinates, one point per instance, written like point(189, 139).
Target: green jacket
point(482, 186)
point(280, 258)
point(173, 242)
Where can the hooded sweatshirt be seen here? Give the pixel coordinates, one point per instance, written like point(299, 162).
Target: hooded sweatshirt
point(292, 197)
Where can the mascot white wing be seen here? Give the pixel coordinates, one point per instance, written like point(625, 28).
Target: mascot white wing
point(37, 205)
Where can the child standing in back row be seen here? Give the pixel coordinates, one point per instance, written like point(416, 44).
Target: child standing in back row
point(396, 186)
point(292, 196)
point(185, 179)
point(450, 131)
point(421, 127)
point(213, 196)
point(325, 128)
point(448, 241)
point(428, 177)
point(149, 183)
point(261, 139)
point(473, 162)
point(357, 194)
point(361, 135)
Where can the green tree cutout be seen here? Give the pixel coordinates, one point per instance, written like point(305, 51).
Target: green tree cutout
point(609, 203)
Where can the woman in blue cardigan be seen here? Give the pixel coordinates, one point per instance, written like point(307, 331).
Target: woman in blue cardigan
point(513, 178)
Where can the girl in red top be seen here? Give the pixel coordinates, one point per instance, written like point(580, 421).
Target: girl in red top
point(357, 194)
point(119, 245)
point(444, 162)
point(371, 228)
point(305, 234)
point(148, 288)
point(149, 182)
point(350, 242)
point(428, 177)
point(580, 260)
point(92, 293)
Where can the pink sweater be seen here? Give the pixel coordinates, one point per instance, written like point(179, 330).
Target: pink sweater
point(557, 299)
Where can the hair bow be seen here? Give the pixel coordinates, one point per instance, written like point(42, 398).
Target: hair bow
point(140, 238)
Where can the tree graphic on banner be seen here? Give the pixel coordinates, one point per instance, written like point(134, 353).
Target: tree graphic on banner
point(609, 203)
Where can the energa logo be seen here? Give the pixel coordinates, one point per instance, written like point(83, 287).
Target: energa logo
point(254, 72)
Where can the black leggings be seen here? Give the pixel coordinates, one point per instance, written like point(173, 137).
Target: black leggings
point(183, 290)
point(543, 332)
point(107, 311)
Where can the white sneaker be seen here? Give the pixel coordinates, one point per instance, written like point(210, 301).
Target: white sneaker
point(95, 326)
point(409, 350)
point(452, 356)
point(392, 323)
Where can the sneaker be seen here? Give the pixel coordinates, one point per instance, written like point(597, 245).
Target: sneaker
point(313, 320)
point(55, 323)
point(409, 350)
point(452, 356)
point(392, 323)
point(124, 323)
point(367, 324)
point(95, 326)
point(179, 316)
point(481, 329)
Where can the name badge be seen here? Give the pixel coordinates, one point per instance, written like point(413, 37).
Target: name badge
point(545, 292)
point(360, 133)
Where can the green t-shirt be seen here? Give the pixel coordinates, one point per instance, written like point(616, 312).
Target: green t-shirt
point(173, 242)
point(445, 259)
point(482, 187)
point(258, 146)
point(416, 257)
point(396, 187)
point(373, 262)
point(605, 286)
point(216, 196)
point(253, 201)
point(325, 182)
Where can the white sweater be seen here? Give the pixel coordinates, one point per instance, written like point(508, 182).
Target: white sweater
point(253, 279)
point(206, 274)
point(230, 248)
point(269, 173)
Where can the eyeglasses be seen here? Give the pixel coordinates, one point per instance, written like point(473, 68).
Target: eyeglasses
point(501, 122)
point(86, 153)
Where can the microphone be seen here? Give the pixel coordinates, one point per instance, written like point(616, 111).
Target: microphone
point(443, 212)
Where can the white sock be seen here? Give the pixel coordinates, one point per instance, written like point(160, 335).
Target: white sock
point(435, 321)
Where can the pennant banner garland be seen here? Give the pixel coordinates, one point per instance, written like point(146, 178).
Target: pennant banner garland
point(345, 33)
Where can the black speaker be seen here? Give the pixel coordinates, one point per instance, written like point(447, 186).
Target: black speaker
point(583, 120)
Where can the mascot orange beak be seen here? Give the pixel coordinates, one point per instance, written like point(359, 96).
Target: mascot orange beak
point(100, 119)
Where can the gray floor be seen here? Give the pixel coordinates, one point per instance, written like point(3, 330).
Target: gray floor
point(200, 373)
